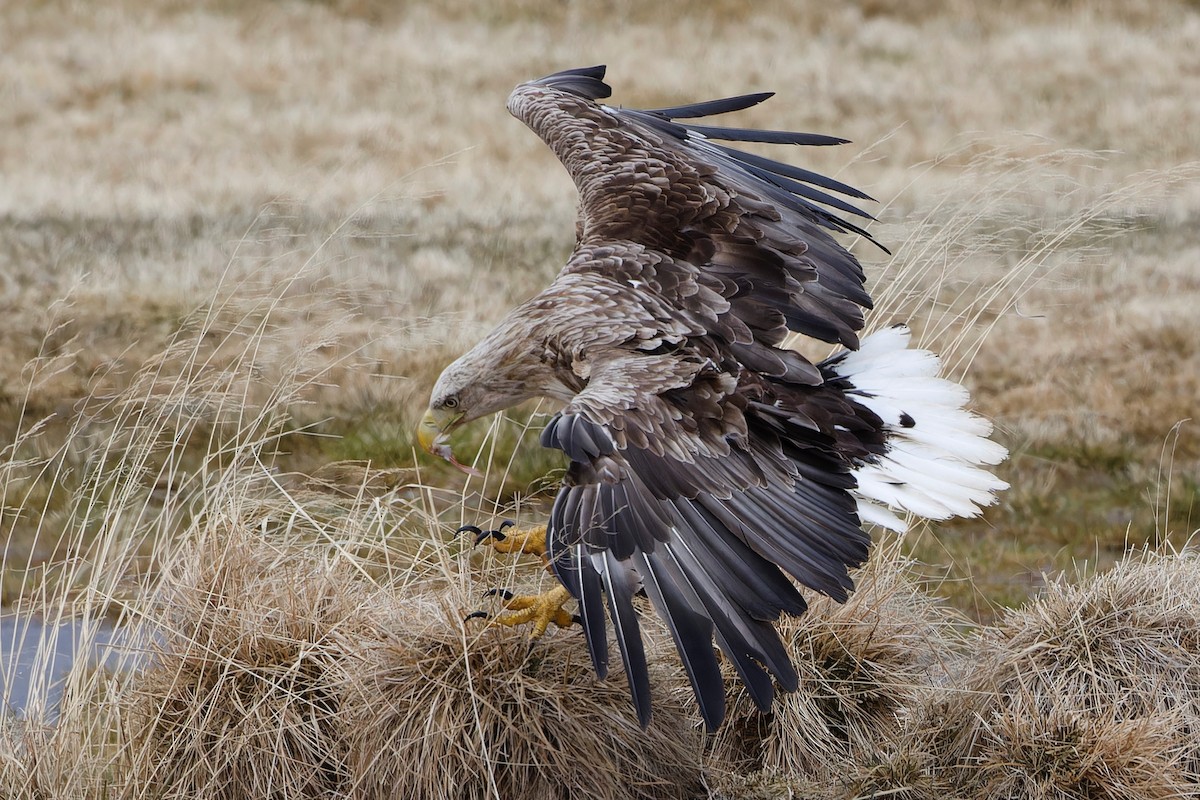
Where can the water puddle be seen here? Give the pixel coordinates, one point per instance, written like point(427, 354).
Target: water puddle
point(37, 657)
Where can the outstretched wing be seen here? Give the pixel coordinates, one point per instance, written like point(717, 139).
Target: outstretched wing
point(707, 468)
point(657, 179)
point(673, 491)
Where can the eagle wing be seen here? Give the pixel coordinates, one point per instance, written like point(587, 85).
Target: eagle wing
point(655, 178)
point(647, 506)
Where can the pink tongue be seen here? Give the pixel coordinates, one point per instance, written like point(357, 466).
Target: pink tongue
point(469, 470)
point(445, 452)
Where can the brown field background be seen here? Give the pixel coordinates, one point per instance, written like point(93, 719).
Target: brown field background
point(342, 180)
point(238, 242)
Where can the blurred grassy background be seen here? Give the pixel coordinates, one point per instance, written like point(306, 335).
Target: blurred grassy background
point(341, 180)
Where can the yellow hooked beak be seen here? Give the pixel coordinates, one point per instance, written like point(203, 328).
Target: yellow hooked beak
point(433, 437)
point(429, 432)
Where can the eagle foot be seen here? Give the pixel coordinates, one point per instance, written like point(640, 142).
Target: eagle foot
point(529, 540)
point(539, 609)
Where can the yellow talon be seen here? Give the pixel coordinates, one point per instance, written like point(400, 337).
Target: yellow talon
point(531, 541)
point(540, 609)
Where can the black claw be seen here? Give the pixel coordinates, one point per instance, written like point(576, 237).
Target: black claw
point(476, 615)
point(505, 593)
point(482, 535)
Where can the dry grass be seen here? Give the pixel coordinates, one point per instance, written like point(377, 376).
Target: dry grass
point(434, 711)
point(864, 665)
point(237, 242)
point(1089, 691)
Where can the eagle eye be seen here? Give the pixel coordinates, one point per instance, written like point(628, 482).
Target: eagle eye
point(450, 402)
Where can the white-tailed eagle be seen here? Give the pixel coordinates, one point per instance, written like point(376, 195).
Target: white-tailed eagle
point(711, 468)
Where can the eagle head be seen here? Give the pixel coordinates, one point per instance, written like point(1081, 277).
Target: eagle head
point(477, 384)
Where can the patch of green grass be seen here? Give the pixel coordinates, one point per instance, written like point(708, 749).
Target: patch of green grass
point(385, 439)
point(1069, 510)
point(978, 569)
point(519, 466)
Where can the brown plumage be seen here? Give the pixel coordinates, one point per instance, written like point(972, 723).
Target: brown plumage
point(709, 467)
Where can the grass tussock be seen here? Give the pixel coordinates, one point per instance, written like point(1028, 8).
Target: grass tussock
point(1092, 690)
point(242, 698)
point(438, 711)
point(863, 666)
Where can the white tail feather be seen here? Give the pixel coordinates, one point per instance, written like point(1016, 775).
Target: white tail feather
point(933, 466)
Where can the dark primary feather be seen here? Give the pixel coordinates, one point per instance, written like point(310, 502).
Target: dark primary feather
point(585, 81)
point(620, 587)
point(792, 171)
point(766, 137)
point(802, 191)
point(711, 108)
point(692, 632)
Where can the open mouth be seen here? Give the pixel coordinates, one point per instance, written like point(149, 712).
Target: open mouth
point(436, 441)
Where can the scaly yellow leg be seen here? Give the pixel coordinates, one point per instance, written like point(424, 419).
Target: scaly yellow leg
point(531, 541)
point(540, 609)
